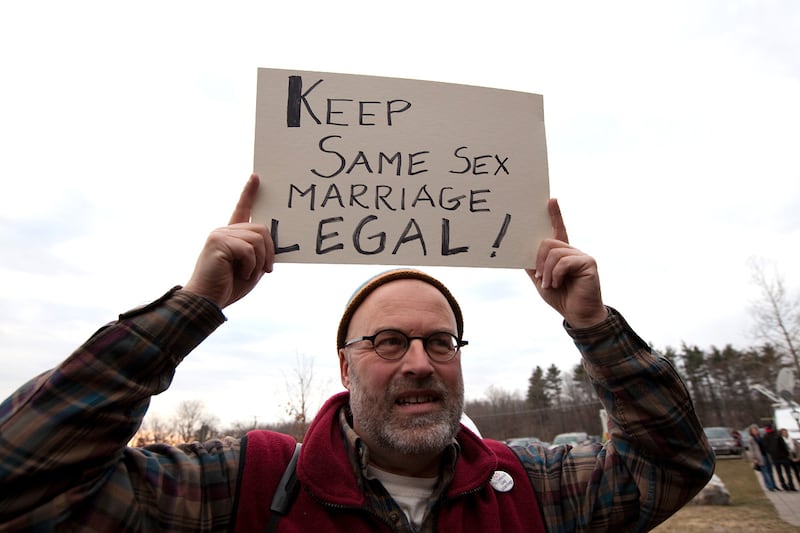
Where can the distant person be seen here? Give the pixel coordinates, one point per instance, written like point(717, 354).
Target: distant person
point(737, 438)
point(779, 453)
point(794, 452)
point(760, 458)
point(389, 454)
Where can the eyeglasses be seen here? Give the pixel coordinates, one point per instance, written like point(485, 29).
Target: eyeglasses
point(391, 344)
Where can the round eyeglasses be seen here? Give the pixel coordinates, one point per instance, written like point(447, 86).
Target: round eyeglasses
point(391, 344)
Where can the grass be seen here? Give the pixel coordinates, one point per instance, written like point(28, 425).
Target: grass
point(750, 509)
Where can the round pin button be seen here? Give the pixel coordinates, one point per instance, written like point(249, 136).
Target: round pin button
point(501, 481)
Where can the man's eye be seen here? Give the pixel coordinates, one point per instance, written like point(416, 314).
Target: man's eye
point(441, 342)
point(390, 341)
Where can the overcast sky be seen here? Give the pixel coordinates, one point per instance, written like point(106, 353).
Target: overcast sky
point(126, 134)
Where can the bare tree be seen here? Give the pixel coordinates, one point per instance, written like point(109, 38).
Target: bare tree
point(776, 313)
point(189, 417)
point(502, 400)
point(157, 428)
point(208, 427)
point(299, 392)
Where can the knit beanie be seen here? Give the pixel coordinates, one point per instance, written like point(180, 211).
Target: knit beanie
point(383, 278)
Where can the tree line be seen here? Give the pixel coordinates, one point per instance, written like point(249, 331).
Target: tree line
point(720, 382)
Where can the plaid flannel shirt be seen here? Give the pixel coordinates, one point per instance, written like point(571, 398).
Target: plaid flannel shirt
point(64, 463)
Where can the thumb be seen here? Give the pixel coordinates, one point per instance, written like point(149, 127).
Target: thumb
point(244, 207)
point(556, 221)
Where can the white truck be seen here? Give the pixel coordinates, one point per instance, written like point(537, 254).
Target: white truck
point(785, 411)
point(787, 417)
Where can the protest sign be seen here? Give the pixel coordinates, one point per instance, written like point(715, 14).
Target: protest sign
point(371, 170)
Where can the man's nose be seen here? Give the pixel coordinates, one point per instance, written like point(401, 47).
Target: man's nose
point(416, 360)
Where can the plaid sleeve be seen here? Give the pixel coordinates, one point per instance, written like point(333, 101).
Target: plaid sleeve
point(63, 456)
point(657, 458)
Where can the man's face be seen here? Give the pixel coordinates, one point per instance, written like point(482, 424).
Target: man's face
point(412, 405)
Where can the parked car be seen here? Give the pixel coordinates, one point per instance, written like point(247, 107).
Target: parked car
point(745, 436)
point(573, 438)
point(525, 441)
point(722, 441)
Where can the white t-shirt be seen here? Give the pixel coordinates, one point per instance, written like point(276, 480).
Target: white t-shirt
point(410, 493)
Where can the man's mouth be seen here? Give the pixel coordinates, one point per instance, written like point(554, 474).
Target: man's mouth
point(418, 398)
point(411, 400)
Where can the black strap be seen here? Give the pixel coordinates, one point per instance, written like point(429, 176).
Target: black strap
point(285, 493)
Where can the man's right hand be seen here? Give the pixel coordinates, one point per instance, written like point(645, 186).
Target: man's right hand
point(235, 256)
point(567, 278)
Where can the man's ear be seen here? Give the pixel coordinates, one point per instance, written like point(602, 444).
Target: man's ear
point(344, 369)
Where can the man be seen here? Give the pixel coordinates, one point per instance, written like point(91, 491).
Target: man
point(779, 454)
point(387, 455)
point(794, 452)
point(760, 458)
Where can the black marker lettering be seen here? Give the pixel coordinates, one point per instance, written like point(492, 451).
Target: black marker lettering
point(423, 196)
point(310, 191)
point(412, 163)
point(381, 193)
point(332, 194)
point(331, 112)
point(478, 163)
point(273, 231)
point(322, 148)
point(466, 159)
point(321, 237)
point(390, 108)
point(357, 237)
point(362, 113)
point(453, 203)
point(295, 95)
point(408, 237)
point(391, 160)
point(360, 159)
point(501, 235)
point(357, 190)
point(501, 164)
point(446, 250)
point(473, 200)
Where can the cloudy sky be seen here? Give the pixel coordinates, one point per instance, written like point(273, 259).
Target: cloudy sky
point(127, 133)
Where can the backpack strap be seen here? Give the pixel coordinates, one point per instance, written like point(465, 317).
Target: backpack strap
point(262, 467)
point(285, 493)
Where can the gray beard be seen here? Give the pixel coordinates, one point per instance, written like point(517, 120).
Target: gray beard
point(430, 433)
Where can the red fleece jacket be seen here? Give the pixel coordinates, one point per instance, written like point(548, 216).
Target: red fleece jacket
point(330, 498)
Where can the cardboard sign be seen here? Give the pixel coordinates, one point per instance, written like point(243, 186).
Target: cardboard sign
point(370, 170)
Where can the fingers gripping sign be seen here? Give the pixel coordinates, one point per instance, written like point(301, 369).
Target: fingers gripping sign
point(235, 256)
point(567, 278)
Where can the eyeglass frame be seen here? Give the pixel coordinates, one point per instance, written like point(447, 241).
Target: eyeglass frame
point(460, 343)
